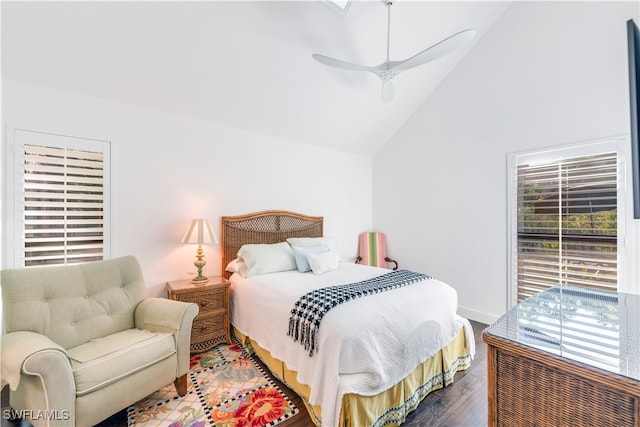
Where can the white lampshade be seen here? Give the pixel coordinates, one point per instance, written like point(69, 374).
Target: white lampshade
point(200, 232)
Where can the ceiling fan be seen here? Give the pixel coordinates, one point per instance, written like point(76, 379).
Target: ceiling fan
point(389, 70)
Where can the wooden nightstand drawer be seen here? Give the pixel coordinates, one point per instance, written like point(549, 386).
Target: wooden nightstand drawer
point(207, 300)
point(208, 327)
point(211, 326)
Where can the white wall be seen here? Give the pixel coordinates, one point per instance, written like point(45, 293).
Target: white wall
point(167, 170)
point(547, 73)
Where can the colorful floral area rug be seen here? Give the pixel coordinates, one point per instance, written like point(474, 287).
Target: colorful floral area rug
point(226, 388)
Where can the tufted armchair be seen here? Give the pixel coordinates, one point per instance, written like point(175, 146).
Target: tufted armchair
point(82, 342)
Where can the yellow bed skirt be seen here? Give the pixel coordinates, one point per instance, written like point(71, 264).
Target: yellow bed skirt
point(388, 408)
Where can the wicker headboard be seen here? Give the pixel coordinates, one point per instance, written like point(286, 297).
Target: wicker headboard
point(264, 227)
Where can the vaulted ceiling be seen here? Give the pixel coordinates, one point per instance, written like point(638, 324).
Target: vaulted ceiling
point(243, 64)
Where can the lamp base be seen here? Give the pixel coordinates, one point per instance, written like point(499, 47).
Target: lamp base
point(200, 279)
point(197, 281)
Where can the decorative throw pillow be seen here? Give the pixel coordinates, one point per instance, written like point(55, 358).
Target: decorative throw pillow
point(323, 262)
point(301, 252)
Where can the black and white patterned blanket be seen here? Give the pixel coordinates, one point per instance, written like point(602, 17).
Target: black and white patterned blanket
point(311, 307)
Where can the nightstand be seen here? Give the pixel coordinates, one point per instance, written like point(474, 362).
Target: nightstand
point(211, 327)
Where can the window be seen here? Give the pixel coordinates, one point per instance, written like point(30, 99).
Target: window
point(61, 199)
point(564, 222)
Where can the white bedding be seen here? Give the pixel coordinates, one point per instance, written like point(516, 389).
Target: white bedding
point(365, 345)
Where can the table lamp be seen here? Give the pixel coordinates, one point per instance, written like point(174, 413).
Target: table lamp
point(200, 232)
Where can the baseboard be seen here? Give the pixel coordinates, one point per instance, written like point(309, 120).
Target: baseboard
point(478, 316)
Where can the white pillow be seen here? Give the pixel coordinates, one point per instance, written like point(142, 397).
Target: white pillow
point(301, 252)
point(323, 262)
point(267, 258)
point(237, 266)
point(313, 241)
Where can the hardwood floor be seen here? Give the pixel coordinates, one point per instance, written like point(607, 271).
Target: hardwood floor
point(462, 404)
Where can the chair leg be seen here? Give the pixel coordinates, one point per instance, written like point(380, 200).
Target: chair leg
point(181, 385)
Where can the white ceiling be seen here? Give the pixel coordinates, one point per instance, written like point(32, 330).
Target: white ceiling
point(242, 64)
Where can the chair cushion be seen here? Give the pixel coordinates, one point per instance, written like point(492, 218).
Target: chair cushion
point(73, 304)
point(103, 361)
point(372, 248)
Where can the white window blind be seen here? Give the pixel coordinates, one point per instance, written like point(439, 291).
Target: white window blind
point(63, 198)
point(567, 224)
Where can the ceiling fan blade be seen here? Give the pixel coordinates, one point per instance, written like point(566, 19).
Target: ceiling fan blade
point(341, 64)
point(387, 91)
point(389, 70)
point(436, 51)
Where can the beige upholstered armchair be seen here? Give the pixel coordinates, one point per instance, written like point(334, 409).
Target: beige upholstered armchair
point(82, 342)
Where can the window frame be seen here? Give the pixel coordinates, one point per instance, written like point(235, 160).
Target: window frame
point(626, 228)
point(15, 206)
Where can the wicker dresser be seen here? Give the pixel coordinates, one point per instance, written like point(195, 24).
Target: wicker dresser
point(211, 327)
point(568, 356)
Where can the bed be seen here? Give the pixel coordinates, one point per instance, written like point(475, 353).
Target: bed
point(373, 363)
